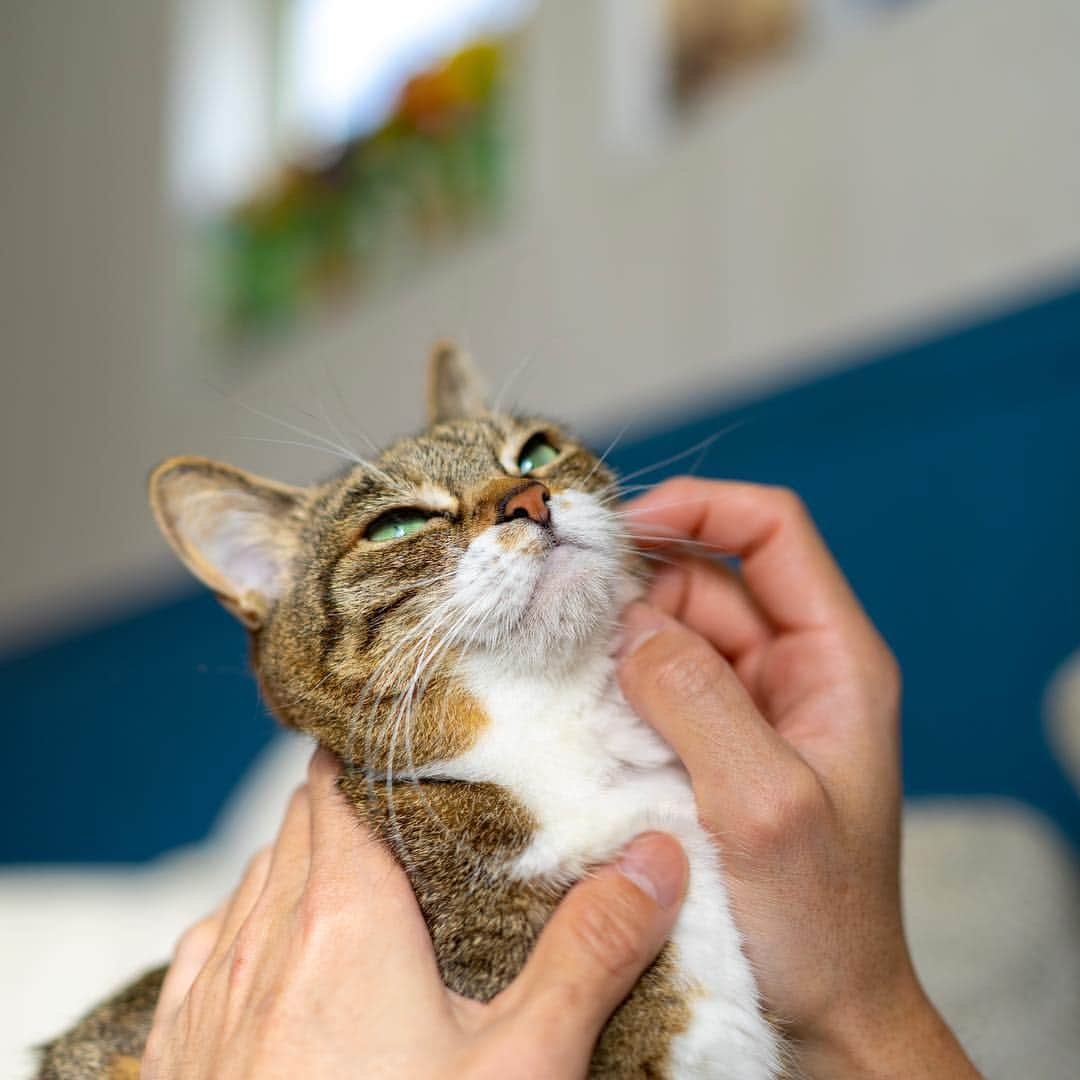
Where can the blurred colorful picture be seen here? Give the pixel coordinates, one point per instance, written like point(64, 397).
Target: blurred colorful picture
point(429, 171)
point(327, 144)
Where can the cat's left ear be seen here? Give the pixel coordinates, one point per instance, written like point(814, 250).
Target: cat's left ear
point(237, 533)
point(455, 389)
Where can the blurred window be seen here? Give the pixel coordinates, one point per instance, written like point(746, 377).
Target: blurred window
point(258, 81)
point(319, 145)
point(347, 60)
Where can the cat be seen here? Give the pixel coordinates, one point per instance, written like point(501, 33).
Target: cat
point(444, 620)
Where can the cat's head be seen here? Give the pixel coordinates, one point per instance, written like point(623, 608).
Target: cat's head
point(488, 537)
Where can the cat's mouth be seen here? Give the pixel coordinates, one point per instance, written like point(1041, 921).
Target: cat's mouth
point(532, 538)
point(566, 564)
point(536, 588)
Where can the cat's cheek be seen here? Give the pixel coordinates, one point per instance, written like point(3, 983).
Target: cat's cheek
point(580, 518)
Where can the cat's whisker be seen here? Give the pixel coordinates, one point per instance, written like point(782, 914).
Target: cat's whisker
point(674, 540)
point(651, 556)
point(400, 657)
point(338, 433)
point(635, 511)
point(294, 442)
point(385, 477)
point(604, 456)
point(698, 448)
point(405, 712)
point(343, 450)
point(626, 490)
point(508, 382)
point(434, 579)
point(475, 859)
point(369, 442)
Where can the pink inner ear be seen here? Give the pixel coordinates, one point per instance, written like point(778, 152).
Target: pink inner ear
point(234, 532)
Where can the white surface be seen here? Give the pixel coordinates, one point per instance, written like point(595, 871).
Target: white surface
point(993, 914)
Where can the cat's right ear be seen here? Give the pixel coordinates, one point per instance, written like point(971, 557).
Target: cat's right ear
point(455, 389)
point(237, 533)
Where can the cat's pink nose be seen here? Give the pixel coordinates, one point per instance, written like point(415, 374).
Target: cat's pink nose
point(529, 501)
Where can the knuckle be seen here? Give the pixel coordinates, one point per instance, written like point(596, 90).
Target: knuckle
point(259, 863)
point(876, 671)
point(298, 801)
point(151, 1052)
point(783, 812)
point(323, 769)
point(685, 673)
point(319, 912)
point(678, 485)
point(198, 939)
point(243, 953)
point(788, 503)
point(199, 993)
point(890, 675)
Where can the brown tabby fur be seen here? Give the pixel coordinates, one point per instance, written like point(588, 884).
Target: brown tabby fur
point(324, 653)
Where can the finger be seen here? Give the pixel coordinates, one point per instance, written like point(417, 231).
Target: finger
point(355, 880)
point(200, 942)
point(335, 841)
point(239, 905)
point(711, 599)
point(192, 951)
point(785, 562)
point(250, 951)
point(603, 935)
point(291, 854)
point(282, 870)
point(341, 849)
point(690, 694)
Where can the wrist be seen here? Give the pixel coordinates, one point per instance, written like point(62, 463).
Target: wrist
point(896, 1035)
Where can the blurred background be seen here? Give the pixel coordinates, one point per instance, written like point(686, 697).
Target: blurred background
point(833, 244)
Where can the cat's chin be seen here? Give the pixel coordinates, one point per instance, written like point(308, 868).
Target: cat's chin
point(571, 612)
point(567, 567)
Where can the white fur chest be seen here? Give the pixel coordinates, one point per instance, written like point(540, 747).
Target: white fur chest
point(572, 752)
point(594, 775)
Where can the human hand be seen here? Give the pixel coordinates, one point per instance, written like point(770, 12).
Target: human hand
point(320, 965)
point(783, 702)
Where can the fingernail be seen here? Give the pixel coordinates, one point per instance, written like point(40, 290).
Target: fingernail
point(655, 866)
point(640, 622)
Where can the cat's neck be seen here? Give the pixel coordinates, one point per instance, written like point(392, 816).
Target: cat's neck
point(571, 719)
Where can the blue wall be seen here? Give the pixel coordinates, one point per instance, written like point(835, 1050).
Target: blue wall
point(946, 477)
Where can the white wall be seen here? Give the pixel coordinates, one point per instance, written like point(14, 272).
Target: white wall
point(925, 167)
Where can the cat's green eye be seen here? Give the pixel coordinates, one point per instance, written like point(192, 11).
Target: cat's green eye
point(536, 453)
point(396, 524)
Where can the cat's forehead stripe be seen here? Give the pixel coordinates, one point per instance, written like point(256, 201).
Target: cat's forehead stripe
point(450, 457)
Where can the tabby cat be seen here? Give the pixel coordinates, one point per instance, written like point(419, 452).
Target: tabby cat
point(443, 620)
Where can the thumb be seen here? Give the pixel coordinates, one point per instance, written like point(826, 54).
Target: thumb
point(604, 934)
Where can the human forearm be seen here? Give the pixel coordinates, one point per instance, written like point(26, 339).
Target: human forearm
point(901, 1038)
